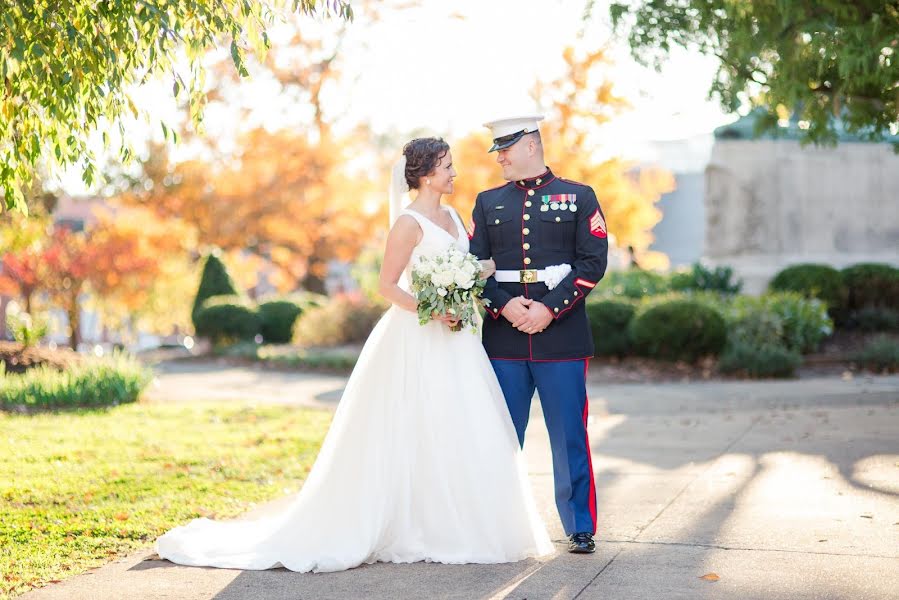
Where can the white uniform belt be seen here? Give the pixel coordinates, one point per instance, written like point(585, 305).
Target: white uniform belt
point(524, 276)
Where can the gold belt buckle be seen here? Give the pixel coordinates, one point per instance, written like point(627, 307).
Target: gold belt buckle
point(527, 276)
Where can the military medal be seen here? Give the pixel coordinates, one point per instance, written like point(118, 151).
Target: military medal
point(560, 202)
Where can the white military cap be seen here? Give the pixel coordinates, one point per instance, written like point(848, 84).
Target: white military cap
point(508, 131)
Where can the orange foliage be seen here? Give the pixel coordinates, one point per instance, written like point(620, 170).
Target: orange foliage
point(282, 198)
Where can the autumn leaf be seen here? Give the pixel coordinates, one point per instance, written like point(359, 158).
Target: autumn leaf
point(121, 516)
point(710, 577)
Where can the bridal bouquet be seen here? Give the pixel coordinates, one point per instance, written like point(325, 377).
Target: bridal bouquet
point(448, 284)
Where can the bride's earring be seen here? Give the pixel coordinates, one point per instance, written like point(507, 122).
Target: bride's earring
point(427, 182)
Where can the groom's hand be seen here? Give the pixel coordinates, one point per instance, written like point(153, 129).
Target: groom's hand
point(536, 318)
point(516, 309)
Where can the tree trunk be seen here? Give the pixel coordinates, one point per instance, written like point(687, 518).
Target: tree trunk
point(74, 320)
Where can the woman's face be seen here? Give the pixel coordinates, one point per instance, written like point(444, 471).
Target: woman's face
point(443, 174)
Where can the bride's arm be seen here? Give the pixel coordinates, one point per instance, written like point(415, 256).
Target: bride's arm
point(401, 240)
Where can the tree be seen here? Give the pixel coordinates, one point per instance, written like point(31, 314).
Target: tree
point(215, 281)
point(66, 67)
point(68, 258)
point(832, 64)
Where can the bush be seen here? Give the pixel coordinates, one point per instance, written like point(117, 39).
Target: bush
point(108, 382)
point(875, 318)
point(226, 319)
point(215, 281)
point(276, 320)
point(699, 277)
point(343, 320)
point(803, 322)
point(634, 283)
point(872, 285)
point(814, 281)
point(880, 354)
point(678, 330)
point(758, 360)
point(609, 320)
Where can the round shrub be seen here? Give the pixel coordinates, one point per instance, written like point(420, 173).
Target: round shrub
point(609, 320)
point(872, 285)
point(880, 354)
point(227, 319)
point(803, 322)
point(759, 360)
point(678, 330)
point(814, 281)
point(276, 320)
point(343, 320)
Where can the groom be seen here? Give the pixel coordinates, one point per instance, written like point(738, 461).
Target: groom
point(547, 236)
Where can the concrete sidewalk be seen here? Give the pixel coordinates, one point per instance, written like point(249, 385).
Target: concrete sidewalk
point(783, 490)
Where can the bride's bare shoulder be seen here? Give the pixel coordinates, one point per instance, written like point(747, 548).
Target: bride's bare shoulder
point(406, 227)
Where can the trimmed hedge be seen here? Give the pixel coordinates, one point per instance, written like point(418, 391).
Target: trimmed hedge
point(101, 382)
point(874, 318)
point(214, 281)
point(814, 281)
point(226, 319)
point(872, 285)
point(678, 330)
point(609, 321)
point(276, 320)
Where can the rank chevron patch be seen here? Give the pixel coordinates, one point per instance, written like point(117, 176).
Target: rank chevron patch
point(598, 225)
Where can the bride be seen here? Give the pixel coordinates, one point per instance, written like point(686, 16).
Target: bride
point(421, 462)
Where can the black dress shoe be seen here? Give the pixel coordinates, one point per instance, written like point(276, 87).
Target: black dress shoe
point(581, 543)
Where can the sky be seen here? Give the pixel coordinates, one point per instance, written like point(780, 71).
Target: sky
point(445, 68)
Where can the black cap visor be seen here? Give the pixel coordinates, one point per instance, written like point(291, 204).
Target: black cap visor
point(505, 141)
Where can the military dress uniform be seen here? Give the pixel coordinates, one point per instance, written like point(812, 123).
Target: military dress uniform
point(526, 226)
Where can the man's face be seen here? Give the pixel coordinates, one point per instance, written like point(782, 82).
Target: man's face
point(514, 158)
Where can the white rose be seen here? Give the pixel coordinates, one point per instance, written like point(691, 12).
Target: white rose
point(442, 278)
point(441, 292)
point(464, 280)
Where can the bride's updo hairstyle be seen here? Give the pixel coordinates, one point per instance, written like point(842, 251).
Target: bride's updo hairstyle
point(422, 156)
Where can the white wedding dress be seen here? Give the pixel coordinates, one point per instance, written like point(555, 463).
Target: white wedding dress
point(421, 463)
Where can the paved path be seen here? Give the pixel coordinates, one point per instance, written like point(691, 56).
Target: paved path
point(784, 490)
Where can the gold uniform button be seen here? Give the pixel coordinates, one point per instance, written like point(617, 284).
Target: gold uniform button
point(530, 192)
point(526, 246)
point(526, 231)
point(556, 309)
point(520, 183)
point(566, 301)
point(528, 204)
point(539, 181)
point(558, 220)
point(527, 260)
point(575, 293)
point(496, 222)
point(527, 217)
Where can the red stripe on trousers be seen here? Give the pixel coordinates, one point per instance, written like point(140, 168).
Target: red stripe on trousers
point(592, 499)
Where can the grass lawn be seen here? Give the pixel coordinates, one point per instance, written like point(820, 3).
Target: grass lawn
point(78, 489)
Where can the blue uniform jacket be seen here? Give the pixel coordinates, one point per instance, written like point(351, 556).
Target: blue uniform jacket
point(511, 226)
